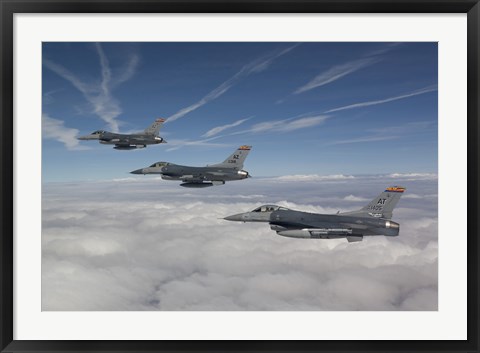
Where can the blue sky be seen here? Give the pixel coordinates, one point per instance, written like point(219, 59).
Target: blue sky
point(306, 108)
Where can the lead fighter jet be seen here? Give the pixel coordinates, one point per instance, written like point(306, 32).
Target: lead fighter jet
point(373, 219)
point(200, 177)
point(129, 141)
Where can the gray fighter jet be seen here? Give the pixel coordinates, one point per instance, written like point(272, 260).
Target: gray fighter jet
point(373, 219)
point(200, 177)
point(129, 141)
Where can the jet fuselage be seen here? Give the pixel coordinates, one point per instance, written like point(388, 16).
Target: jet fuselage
point(111, 138)
point(300, 224)
point(129, 141)
point(172, 171)
point(201, 177)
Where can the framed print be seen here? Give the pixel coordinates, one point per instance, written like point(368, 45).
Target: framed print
point(241, 176)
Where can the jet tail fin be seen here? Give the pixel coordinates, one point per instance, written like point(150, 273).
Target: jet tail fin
point(236, 159)
point(382, 206)
point(155, 127)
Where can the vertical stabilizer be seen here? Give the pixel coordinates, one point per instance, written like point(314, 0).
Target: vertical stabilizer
point(155, 127)
point(236, 159)
point(382, 206)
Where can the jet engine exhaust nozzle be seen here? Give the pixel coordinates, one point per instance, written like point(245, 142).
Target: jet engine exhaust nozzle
point(243, 174)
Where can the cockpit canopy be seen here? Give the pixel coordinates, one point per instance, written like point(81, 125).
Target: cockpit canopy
point(98, 132)
point(269, 208)
point(159, 164)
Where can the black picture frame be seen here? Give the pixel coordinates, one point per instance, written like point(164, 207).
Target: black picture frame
point(10, 7)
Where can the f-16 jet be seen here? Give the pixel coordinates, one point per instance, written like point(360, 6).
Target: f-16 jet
point(200, 177)
point(129, 141)
point(373, 219)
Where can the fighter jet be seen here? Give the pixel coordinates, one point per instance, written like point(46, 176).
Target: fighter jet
point(129, 141)
point(373, 219)
point(200, 177)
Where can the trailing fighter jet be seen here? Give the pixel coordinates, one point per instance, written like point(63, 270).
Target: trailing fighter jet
point(200, 177)
point(129, 141)
point(373, 219)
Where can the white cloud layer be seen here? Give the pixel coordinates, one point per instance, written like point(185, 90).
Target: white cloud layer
point(414, 176)
point(148, 244)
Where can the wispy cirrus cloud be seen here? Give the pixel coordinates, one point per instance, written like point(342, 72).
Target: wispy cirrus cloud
point(284, 125)
point(365, 139)
point(255, 66)
point(127, 72)
point(179, 143)
point(385, 49)
point(385, 100)
point(406, 128)
point(335, 73)
point(311, 177)
point(287, 125)
point(218, 129)
point(389, 133)
point(55, 129)
point(47, 97)
point(338, 71)
point(99, 94)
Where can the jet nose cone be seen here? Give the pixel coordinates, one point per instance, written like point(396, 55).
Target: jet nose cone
point(138, 171)
point(89, 137)
point(235, 217)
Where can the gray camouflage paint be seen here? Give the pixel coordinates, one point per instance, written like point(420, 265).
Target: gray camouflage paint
point(128, 141)
point(373, 219)
point(199, 177)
